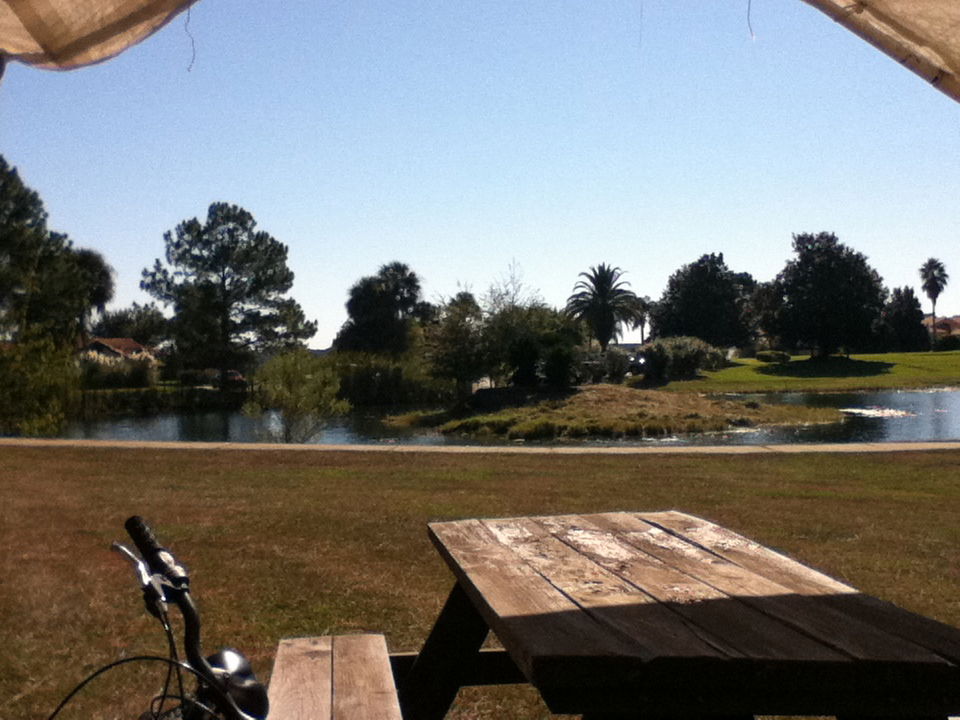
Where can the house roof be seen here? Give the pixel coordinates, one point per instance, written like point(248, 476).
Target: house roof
point(121, 346)
point(950, 325)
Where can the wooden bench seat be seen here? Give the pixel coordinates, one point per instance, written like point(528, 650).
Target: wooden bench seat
point(335, 677)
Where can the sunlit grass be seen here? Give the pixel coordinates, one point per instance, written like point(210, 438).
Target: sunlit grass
point(859, 372)
point(294, 543)
point(617, 411)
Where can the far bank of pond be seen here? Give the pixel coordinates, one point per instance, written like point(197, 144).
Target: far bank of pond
point(882, 416)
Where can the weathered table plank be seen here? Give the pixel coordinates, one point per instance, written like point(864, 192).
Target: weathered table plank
point(667, 596)
point(529, 612)
point(301, 685)
point(799, 610)
point(941, 639)
point(363, 687)
point(342, 677)
point(611, 612)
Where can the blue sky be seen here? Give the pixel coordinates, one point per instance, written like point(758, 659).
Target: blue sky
point(462, 136)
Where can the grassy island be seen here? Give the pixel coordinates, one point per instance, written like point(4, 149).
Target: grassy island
point(707, 403)
point(618, 411)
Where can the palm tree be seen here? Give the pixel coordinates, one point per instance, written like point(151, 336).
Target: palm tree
point(602, 301)
point(95, 278)
point(934, 277)
point(644, 307)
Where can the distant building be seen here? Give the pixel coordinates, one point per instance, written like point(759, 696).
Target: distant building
point(124, 348)
point(946, 326)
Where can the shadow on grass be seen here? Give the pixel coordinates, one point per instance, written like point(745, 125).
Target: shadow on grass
point(837, 367)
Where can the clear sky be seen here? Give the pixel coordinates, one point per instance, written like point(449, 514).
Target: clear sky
point(459, 136)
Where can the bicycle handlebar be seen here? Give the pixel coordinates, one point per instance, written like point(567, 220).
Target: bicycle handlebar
point(142, 536)
point(161, 561)
point(157, 557)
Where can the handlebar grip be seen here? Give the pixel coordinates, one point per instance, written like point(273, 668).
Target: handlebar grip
point(158, 558)
point(142, 537)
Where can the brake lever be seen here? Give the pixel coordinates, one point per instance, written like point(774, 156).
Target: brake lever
point(152, 585)
point(137, 563)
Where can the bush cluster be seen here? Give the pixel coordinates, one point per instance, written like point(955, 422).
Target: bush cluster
point(100, 373)
point(677, 358)
point(369, 380)
point(948, 343)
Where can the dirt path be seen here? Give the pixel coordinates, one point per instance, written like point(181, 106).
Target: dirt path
point(497, 449)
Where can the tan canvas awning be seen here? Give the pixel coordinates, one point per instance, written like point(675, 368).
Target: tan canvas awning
point(922, 35)
point(67, 34)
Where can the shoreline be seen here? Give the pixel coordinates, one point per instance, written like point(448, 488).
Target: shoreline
point(846, 448)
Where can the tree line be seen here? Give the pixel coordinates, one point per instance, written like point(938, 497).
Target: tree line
point(223, 292)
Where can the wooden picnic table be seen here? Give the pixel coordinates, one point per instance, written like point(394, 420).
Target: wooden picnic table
point(665, 614)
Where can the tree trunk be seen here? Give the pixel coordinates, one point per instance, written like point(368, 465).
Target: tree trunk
point(933, 324)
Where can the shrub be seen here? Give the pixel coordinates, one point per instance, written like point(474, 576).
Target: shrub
point(40, 383)
point(302, 388)
point(773, 356)
point(676, 358)
point(616, 363)
point(950, 342)
point(591, 368)
point(558, 365)
point(369, 380)
point(99, 372)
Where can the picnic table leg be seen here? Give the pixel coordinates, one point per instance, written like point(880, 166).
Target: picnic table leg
point(429, 689)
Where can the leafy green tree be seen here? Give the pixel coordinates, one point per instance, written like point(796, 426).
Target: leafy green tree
point(47, 286)
point(227, 283)
point(23, 228)
point(381, 310)
point(524, 338)
point(455, 342)
point(707, 300)
point(933, 276)
point(901, 322)
point(302, 389)
point(762, 311)
point(830, 296)
point(40, 382)
point(144, 323)
point(603, 302)
point(44, 300)
point(521, 342)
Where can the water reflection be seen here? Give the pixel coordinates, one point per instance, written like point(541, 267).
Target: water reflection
point(931, 416)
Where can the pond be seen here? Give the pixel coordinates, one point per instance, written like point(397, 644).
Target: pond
point(887, 416)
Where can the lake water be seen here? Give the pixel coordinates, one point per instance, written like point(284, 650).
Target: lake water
point(890, 416)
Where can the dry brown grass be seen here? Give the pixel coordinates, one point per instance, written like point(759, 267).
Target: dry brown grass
point(293, 543)
point(617, 411)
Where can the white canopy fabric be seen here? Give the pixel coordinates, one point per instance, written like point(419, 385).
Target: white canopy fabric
point(67, 34)
point(923, 35)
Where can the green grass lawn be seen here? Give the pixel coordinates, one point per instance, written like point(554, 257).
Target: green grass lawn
point(285, 543)
point(859, 372)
